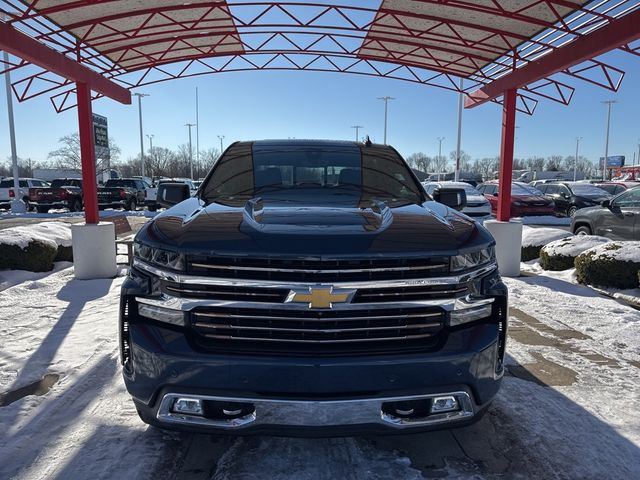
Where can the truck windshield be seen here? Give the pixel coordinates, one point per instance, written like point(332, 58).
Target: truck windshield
point(120, 183)
point(312, 174)
point(61, 182)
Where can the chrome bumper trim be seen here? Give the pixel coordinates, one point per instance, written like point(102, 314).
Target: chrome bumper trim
point(297, 413)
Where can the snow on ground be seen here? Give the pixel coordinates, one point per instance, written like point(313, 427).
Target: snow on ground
point(66, 214)
point(537, 237)
point(574, 245)
point(86, 426)
point(54, 233)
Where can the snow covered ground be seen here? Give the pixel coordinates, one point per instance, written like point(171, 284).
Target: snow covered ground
point(567, 409)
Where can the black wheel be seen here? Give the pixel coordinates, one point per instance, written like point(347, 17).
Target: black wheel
point(583, 230)
point(75, 206)
point(133, 206)
point(152, 208)
point(28, 206)
point(572, 211)
point(42, 209)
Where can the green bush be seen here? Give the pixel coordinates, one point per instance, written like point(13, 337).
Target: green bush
point(596, 268)
point(555, 262)
point(36, 257)
point(530, 253)
point(64, 254)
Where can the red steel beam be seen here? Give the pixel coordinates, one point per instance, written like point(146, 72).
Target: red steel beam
point(506, 155)
point(87, 153)
point(25, 47)
point(611, 36)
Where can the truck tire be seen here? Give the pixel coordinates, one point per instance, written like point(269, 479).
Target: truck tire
point(133, 206)
point(42, 209)
point(76, 205)
point(152, 208)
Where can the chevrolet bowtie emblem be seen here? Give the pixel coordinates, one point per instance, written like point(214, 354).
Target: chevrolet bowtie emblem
point(320, 296)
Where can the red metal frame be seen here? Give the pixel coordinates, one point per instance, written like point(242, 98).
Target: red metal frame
point(506, 155)
point(87, 153)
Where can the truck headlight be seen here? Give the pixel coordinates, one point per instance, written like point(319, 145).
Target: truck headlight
point(473, 259)
point(159, 257)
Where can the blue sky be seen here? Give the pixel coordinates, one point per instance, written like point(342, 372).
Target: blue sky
point(256, 105)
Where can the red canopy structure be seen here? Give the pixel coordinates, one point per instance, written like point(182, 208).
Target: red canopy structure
point(511, 52)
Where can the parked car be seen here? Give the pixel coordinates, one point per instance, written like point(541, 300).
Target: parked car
point(63, 193)
point(618, 218)
point(614, 188)
point(127, 193)
point(477, 205)
point(7, 193)
point(569, 197)
point(525, 200)
point(152, 192)
point(309, 287)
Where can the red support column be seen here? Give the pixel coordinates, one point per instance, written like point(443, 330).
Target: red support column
point(87, 153)
point(506, 154)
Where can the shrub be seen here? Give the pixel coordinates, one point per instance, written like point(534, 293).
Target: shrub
point(533, 239)
point(561, 254)
point(614, 264)
point(37, 256)
point(64, 254)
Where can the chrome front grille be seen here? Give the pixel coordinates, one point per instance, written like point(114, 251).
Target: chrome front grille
point(318, 271)
point(408, 294)
point(225, 292)
point(326, 331)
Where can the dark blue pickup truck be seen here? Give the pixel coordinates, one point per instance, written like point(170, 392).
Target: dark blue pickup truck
point(312, 288)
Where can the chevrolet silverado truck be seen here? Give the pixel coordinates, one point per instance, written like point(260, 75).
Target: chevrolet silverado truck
point(126, 193)
point(63, 193)
point(312, 288)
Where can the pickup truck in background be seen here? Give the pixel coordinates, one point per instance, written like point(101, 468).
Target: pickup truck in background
point(312, 287)
point(151, 201)
point(63, 193)
point(7, 193)
point(127, 193)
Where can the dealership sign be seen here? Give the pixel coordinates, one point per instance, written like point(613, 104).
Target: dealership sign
point(100, 132)
point(613, 162)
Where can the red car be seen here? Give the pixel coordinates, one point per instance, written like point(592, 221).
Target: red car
point(525, 200)
point(615, 187)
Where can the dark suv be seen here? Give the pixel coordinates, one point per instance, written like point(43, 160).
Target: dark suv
point(312, 287)
point(569, 197)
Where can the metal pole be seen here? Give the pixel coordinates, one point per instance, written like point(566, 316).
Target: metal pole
point(190, 151)
point(506, 155)
point(638, 153)
point(460, 99)
point(357, 127)
point(150, 137)
point(606, 144)
point(17, 205)
point(221, 137)
point(140, 95)
point(386, 105)
point(575, 162)
point(87, 154)
point(197, 135)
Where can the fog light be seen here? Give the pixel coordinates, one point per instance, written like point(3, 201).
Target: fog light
point(190, 406)
point(166, 315)
point(444, 404)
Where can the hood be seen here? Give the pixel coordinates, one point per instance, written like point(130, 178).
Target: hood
point(272, 228)
point(529, 199)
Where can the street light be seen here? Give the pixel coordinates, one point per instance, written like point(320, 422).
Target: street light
point(386, 105)
point(440, 139)
point(221, 137)
point(140, 95)
point(150, 137)
point(606, 143)
point(575, 163)
point(190, 150)
point(357, 127)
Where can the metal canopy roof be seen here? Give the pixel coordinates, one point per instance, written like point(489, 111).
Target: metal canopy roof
point(138, 42)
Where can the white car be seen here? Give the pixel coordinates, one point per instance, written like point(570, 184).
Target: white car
point(477, 205)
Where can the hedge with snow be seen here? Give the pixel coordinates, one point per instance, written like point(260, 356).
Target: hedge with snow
point(35, 247)
point(613, 264)
point(561, 254)
point(533, 239)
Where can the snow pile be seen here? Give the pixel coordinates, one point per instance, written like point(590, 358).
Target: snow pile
point(621, 251)
point(574, 245)
point(538, 237)
point(50, 233)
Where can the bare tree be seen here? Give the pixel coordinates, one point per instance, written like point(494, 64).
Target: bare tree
point(420, 161)
point(465, 160)
point(68, 155)
point(553, 163)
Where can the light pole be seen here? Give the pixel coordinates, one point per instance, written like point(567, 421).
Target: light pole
point(606, 143)
point(386, 105)
point(357, 127)
point(221, 137)
point(440, 139)
point(197, 135)
point(190, 150)
point(458, 151)
point(17, 205)
point(150, 137)
point(140, 95)
point(575, 162)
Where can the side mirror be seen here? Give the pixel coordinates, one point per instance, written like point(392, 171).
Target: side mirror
point(606, 203)
point(455, 198)
point(495, 194)
point(170, 194)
